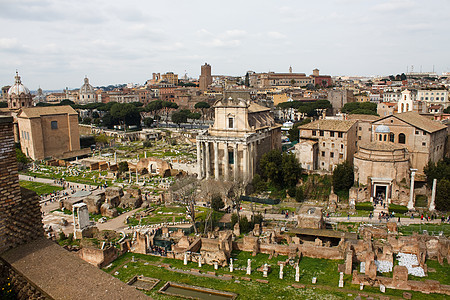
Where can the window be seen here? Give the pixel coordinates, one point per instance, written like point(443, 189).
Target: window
point(385, 137)
point(417, 132)
point(342, 146)
point(332, 133)
point(332, 145)
point(391, 137)
point(230, 122)
point(341, 155)
point(359, 137)
point(340, 134)
point(314, 133)
point(54, 124)
point(323, 144)
point(331, 154)
point(424, 144)
point(231, 157)
point(323, 153)
point(321, 132)
point(424, 133)
point(401, 138)
point(380, 138)
point(360, 128)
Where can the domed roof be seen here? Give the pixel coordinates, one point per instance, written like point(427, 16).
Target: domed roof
point(18, 88)
point(382, 129)
point(86, 88)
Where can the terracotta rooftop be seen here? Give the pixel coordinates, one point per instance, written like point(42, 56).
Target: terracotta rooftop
point(36, 112)
point(415, 119)
point(335, 125)
point(362, 117)
point(381, 146)
point(257, 108)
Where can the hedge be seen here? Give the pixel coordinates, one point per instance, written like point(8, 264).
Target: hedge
point(400, 209)
point(364, 206)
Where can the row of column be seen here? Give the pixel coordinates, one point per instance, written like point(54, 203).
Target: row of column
point(204, 161)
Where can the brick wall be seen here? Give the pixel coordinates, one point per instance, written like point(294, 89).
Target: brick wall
point(20, 215)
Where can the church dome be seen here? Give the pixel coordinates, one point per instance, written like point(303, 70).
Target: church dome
point(18, 88)
point(86, 88)
point(382, 129)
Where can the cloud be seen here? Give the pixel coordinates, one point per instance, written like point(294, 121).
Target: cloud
point(276, 35)
point(394, 6)
point(8, 43)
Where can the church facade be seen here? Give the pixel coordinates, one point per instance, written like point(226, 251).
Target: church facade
point(231, 148)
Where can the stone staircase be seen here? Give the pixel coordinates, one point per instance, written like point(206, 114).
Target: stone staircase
point(378, 209)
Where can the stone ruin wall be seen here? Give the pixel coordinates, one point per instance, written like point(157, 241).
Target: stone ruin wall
point(20, 214)
point(98, 257)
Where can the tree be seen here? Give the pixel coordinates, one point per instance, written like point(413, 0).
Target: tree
point(247, 79)
point(293, 133)
point(234, 220)
point(148, 122)
point(292, 81)
point(258, 184)
point(217, 203)
point(3, 104)
point(167, 106)
point(101, 139)
point(123, 167)
point(179, 117)
point(22, 159)
point(86, 121)
point(202, 106)
point(291, 169)
point(299, 194)
point(343, 177)
point(447, 110)
point(367, 108)
point(281, 169)
point(270, 167)
point(244, 224)
point(126, 113)
point(443, 195)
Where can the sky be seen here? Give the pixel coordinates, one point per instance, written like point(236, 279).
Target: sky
point(54, 44)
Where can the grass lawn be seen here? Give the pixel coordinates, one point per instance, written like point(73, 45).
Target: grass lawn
point(40, 188)
point(325, 271)
point(433, 229)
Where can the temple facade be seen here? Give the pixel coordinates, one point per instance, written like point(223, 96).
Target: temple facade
point(231, 149)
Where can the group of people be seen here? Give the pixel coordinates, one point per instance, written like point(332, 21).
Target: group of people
point(158, 251)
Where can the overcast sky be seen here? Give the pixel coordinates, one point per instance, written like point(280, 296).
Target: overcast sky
point(55, 43)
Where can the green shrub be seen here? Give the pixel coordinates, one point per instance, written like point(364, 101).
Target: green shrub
point(368, 206)
point(400, 209)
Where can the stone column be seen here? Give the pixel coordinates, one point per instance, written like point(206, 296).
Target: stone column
point(226, 164)
point(252, 159)
point(249, 266)
point(297, 273)
point(199, 161)
point(216, 160)
point(433, 196)
point(281, 271)
point(208, 161)
point(245, 163)
point(236, 163)
point(411, 191)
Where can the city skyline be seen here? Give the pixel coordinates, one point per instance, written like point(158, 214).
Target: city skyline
point(54, 46)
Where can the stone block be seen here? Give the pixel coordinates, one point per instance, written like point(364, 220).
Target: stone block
point(298, 286)
point(407, 295)
point(262, 280)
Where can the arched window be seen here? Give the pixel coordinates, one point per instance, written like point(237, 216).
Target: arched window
point(401, 138)
point(391, 137)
